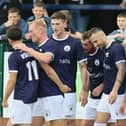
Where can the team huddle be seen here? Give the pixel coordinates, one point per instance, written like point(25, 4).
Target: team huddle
point(43, 76)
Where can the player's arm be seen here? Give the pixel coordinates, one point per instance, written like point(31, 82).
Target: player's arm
point(9, 88)
point(54, 77)
point(118, 81)
point(120, 75)
point(41, 57)
point(84, 76)
point(98, 90)
point(85, 83)
point(44, 59)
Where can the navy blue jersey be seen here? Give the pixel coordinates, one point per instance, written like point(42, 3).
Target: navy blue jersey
point(27, 76)
point(95, 69)
point(66, 54)
point(114, 54)
point(46, 86)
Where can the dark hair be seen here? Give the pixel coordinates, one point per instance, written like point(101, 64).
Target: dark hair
point(85, 35)
point(14, 10)
point(67, 14)
point(123, 14)
point(14, 33)
point(58, 15)
point(39, 4)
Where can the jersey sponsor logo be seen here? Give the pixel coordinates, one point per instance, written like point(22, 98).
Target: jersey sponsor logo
point(67, 48)
point(94, 75)
point(97, 62)
point(107, 67)
point(64, 61)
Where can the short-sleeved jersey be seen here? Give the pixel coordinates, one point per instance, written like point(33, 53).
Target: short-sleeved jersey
point(114, 54)
point(27, 76)
point(66, 54)
point(95, 69)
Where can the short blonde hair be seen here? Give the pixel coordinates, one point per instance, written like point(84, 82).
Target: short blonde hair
point(39, 22)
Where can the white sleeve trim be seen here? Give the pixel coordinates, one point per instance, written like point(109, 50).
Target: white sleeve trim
point(50, 53)
point(121, 61)
point(83, 60)
point(15, 71)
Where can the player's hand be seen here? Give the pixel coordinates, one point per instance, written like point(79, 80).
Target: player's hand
point(64, 88)
point(83, 97)
point(97, 91)
point(9, 23)
point(112, 97)
point(5, 104)
point(20, 46)
point(123, 108)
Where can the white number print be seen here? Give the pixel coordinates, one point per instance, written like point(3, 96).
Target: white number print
point(32, 70)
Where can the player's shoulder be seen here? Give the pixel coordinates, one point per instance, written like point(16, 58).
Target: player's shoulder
point(116, 45)
point(14, 55)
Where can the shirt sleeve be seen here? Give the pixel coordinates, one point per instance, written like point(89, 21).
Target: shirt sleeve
point(12, 63)
point(119, 54)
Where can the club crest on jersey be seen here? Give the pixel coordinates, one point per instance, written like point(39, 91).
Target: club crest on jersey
point(97, 62)
point(67, 48)
point(107, 54)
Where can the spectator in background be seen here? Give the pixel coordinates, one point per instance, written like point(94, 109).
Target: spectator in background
point(79, 20)
point(5, 5)
point(14, 19)
point(108, 16)
point(39, 11)
point(120, 34)
point(123, 4)
point(72, 32)
point(3, 10)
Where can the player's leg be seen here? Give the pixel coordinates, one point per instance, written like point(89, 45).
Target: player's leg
point(9, 123)
point(90, 112)
point(37, 114)
point(103, 113)
point(69, 106)
point(57, 122)
point(121, 119)
point(21, 114)
point(53, 112)
point(79, 114)
point(38, 121)
point(112, 124)
point(23, 125)
point(121, 122)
